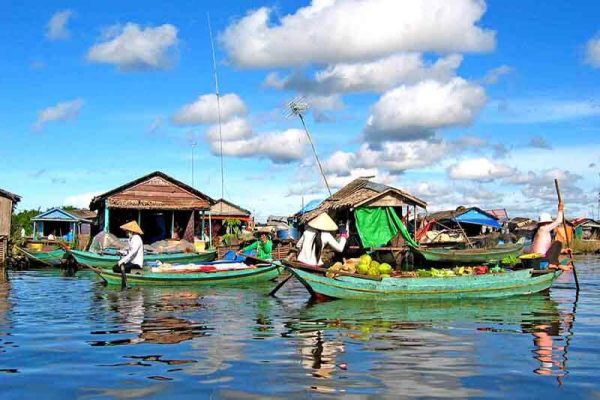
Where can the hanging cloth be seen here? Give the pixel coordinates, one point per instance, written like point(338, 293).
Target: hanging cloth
point(378, 225)
point(189, 229)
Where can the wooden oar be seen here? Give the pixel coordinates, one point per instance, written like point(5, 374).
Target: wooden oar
point(276, 289)
point(123, 277)
point(567, 235)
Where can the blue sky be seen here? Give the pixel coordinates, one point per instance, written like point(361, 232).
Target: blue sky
point(468, 103)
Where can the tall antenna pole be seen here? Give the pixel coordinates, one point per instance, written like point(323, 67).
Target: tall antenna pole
point(193, 145)
point(297, 107)
point(216, 77)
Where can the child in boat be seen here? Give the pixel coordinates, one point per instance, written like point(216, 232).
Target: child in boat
point(263, 247)
point(134, 259)
point(542, 239)
point(316, 236)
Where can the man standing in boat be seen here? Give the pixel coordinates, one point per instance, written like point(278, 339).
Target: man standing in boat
point(318, 235)
point(134, 259)
point(542, 239)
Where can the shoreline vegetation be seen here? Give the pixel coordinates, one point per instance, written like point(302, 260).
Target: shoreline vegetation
point(581, 246)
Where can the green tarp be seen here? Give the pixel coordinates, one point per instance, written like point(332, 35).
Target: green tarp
point(378, 225)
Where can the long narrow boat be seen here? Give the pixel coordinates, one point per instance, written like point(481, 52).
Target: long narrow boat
point(258, 273)
point(108, 261)
point(471, 256)
point(50, 258)
point(347, 286)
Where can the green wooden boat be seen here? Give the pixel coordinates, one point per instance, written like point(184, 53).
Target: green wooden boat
point(470, 256)
point(262, 273)
point(506, 284)
point(108, 261)
point(52, 258)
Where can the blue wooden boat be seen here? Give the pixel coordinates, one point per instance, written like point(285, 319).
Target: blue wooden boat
point(361, 287)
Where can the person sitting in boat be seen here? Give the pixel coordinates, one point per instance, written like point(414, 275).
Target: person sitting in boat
point(134, 258)
point(263, 247)
point(543, 242)
point(316, 236)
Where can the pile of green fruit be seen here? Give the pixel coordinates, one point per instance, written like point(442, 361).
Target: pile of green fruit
point(368, 266)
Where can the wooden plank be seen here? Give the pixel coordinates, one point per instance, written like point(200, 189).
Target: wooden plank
point(5, 215)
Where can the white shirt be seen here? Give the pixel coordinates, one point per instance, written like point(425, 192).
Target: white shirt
point(135, 253)
point(305, 244)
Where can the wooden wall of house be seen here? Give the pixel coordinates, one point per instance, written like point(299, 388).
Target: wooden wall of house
point(5, 215)
point(156, 193)
point(222, 208)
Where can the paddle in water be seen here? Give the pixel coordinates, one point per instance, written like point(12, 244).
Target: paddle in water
point(567, 236)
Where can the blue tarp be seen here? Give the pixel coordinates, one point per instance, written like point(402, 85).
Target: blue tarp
point(311, 205)
point(478, 218)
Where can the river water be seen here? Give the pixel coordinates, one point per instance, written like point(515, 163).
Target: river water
point(71, 337)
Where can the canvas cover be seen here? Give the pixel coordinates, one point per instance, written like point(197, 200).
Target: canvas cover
point(477, 218)
point(105, 240)
point(378, 225)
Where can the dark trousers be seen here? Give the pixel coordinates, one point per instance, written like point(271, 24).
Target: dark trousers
point(553, 253)
point(128, 267)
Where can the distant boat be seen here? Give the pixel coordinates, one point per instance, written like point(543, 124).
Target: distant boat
point(109, 261)
point(51, 258)
point(470, 256)
point(362, 287)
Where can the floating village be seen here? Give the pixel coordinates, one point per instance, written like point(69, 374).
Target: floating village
point(366, 241)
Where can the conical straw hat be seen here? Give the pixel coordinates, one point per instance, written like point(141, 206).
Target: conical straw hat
point(323, 222)
point(132, 226)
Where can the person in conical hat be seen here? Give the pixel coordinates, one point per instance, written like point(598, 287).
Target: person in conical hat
point(134, 259)
point(318, 235)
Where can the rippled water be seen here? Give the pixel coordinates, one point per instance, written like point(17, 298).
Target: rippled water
point(74, 338)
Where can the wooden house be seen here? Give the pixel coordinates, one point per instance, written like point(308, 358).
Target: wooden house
point(362, 194)
point(73, 226)
point(586, 229)
point(223, 210)
point(163, 206)
point(8, 201)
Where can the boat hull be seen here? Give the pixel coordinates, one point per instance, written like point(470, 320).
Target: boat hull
point(51, 258)
point(470, 256)
point(107, 261)
point(458, 287)
point(233, 277)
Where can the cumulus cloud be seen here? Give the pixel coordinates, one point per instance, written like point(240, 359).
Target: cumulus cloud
point(540, 143)
point(56, 29)
point(131, 47)
point(375, 76)
point(592, 52)
point(479, 169)
point(540, 186)
point(234, 129)
point(415, 112)
point(494, 75)
point(364, 30)
point(279, 147)
point(81, 200)
point(63, 111)
point(204, 110)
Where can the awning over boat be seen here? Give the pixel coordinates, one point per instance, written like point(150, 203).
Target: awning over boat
point(477, 218)
point(378, 225)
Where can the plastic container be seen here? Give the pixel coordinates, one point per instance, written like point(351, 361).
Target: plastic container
point(36, 246)
point(199, 246)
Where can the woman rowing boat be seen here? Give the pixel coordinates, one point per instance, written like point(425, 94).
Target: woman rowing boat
point(318, 235)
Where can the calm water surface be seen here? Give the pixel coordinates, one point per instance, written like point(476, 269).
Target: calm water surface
point(66, 337)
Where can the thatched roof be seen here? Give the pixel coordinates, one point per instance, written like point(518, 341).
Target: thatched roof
point(15, 198)
point(360, 192)
point(224, 207)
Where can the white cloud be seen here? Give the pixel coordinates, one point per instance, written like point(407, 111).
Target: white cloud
point(63, 111)
point(279, 147)
point(375, 76)
point(336, 181)
point(57, 26)
point(204, 110)
point(494, 75)
point(479, 169)
point(81, 200)
point(415, 112)
point(332, 31)
point(131, 47)
point(592, 52)
point(234, 129)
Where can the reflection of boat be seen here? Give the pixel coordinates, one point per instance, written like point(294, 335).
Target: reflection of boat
point(49, 258)
point(251, 274)
point(505, 284)
point(468, 256)
point(108, 261)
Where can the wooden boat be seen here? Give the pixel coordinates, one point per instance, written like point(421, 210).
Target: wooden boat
point(108, 261)
point(50, 258)
point(353, 286)
point(470, 256)
point(252, 274)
